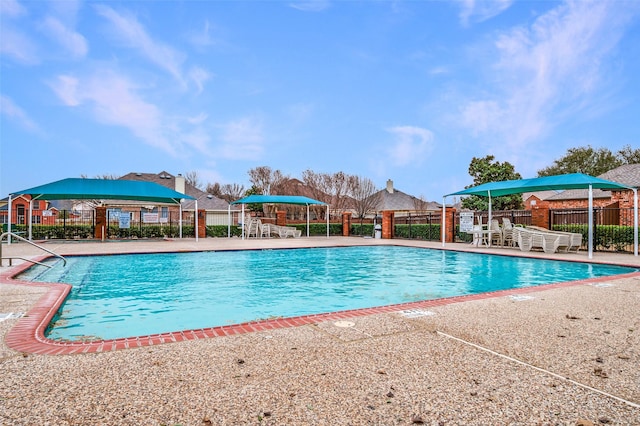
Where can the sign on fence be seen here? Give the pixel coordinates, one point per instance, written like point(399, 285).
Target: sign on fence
point(125, 221)
point(466, 221)
point(150, 217)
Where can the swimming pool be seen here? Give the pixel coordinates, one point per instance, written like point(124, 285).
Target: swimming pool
point(132, 295)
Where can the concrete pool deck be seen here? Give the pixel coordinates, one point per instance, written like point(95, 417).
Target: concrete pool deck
point(562, 354)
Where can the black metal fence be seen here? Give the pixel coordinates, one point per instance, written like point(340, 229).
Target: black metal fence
point(70, 225)
point(613, 227)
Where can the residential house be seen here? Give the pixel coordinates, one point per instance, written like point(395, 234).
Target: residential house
point(403, 204)
point(216, 209)
point(537, 199)
point(41, 211)
point(628, 174)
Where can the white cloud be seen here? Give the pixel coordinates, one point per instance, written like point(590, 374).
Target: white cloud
point(198, 139)
point(66, 11)
point(14, 113)
point(410, 144)
point(439, 70)
point(66, 87)
point(132, 33)
point(114, 100)
point(545, 72)
point(15, 44)
point(243, 139)
point(203, 37)
point(198, 119)
point(11, 9)
point(311, 5)
point(482, 10)
point(72, 41)
point(199, 76)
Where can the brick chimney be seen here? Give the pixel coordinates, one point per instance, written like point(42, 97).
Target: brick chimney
point(180, 184)
point(390, 186)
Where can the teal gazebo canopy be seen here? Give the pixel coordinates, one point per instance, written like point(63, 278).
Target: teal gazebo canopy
point(278, 199)
point(103, 189)
point(553, 183)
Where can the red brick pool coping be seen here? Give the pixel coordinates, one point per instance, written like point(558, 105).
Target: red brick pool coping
point(28, 334)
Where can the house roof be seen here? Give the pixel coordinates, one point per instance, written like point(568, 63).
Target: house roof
point(628, 175)
point(540, 195)
point(206, 201)
point(390, 198)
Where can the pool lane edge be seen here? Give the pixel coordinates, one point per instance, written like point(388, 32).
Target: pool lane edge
point(27, 336)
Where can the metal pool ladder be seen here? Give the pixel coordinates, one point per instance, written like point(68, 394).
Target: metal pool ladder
point(13, 235)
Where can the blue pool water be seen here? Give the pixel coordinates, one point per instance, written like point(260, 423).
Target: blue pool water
point(131, 295)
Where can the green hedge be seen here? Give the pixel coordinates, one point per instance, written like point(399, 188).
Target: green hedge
point(365, 229)
point(222, 230)
point(70, 232)
point(421, 231)
point(49, 232)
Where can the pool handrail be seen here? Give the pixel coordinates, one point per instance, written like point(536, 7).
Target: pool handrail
point(14, 235)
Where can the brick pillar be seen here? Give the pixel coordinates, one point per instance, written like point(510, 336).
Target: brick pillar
point(346, 224)
point(387, 224)
point(450, 225)
point(202, 224)
point(101, 222)
point(281, 218)
point(540, 217)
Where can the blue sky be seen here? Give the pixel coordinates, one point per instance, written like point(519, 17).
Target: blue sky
point(403, 90)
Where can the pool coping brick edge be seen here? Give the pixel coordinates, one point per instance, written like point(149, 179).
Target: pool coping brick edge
point(27, 336)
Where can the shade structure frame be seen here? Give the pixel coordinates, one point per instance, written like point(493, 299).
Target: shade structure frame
point(556, 183)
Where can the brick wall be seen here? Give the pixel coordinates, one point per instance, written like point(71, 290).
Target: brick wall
point(101, 223)
point(450, 226)
point(387, 224)
point(346, 224)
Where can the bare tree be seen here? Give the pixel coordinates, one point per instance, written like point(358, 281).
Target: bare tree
point(232, 191)
point(106, 176)
point(193, 179)
point(420, 203)
point(339, 184)
point(365, 195)
point(316, 185)
point(228, 192)
point(214, 189)
point(266, 179)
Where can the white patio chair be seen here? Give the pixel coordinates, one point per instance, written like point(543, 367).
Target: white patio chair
point(495, 233)
point(507, 232)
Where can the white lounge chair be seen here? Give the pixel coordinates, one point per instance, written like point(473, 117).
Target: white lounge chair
point(575, 238)
point(252, 227)
point(507, 233)
point(548, 242)
point(522, 239)
point(495, 233)
point(285, 231)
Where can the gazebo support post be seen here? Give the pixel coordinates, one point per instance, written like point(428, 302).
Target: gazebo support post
point(196, 221)
point(635, 221)
point(327, 214)
point(444, 219)
point(590, 219)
